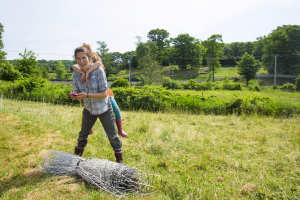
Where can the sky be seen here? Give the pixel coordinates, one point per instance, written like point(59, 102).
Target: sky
point(54, 28)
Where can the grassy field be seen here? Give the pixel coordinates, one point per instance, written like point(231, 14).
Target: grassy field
point(193, 156)
point(293, 97)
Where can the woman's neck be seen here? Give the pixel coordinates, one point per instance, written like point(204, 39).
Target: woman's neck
point(86, 68)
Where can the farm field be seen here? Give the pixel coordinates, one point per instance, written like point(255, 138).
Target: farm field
point(193, 156)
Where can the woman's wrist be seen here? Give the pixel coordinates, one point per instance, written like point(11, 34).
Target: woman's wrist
point(87, 95)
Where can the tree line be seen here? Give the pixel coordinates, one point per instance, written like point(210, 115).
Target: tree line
point(184, 51)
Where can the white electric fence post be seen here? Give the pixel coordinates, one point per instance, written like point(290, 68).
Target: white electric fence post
point(1, 101)
point(44, 109)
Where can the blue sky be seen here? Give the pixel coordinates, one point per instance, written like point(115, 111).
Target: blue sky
point(54, 28)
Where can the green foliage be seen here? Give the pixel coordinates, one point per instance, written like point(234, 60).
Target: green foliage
point(297, 80)
point(2, 53)
point(120, 83)
point(143, 50)
point(289, 87)
point(36, 87)
point(28, 65)
point(8, 72)
point(171, 84)
point(151, 69)
point(283, 41)
point(160, 38)
point(60, 71)
point(174, 68)
point(248, 67)
point(232, 86)
point(213, 49)
point(186, 46)
point(155, 99)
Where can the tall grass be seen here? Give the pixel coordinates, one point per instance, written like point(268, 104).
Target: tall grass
point(193, 156)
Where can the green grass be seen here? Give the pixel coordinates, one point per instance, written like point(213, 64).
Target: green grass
point(194, 156)
point(293, 97)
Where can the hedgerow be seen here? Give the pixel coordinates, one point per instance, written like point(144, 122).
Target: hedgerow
point(156, 99)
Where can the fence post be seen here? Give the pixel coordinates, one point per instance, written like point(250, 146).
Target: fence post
point(44, 108)
point(1, 101)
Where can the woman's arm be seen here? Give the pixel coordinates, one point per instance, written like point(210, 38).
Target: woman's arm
point(100, 95)
point(76, 68)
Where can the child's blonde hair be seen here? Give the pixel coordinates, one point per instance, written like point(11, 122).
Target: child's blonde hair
point(94, 56)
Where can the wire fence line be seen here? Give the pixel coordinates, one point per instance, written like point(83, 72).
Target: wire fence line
point(49, 111)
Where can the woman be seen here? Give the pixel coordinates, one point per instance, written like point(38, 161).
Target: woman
point(96, 104)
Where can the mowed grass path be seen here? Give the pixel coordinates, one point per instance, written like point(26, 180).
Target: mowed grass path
point(193, 156)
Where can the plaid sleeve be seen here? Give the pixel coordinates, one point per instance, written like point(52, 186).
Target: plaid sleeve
point(102, 79)
point(75, 82)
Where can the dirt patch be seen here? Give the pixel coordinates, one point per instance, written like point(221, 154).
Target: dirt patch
point(248, 188)
point(32, 172)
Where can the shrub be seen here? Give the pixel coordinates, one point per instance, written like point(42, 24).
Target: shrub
point(232, 86)
point(174, 68)
point(289, 87)
point(171, 84)
point(205, 86)
point(120, 83)
point(297, 83)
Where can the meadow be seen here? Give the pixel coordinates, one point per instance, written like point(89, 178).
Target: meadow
point(193, 156)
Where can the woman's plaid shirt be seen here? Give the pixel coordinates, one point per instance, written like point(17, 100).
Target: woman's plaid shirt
point(97, 84)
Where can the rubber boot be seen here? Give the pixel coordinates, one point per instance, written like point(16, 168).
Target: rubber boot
point(78, 151)
point(120, 129)
point(119, 157)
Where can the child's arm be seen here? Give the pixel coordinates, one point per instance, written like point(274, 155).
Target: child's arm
point(92, 68)
point(76, 68)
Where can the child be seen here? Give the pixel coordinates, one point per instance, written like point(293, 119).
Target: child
point(85, 77)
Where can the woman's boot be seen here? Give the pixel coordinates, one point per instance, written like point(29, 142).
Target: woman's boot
point(78, 151)
point(119, 157)
point(120, 129)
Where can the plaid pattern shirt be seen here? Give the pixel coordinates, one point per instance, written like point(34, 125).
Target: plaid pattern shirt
point(97, 84)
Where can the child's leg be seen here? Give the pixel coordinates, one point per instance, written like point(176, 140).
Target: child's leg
point(118, 117)
point(115, 108)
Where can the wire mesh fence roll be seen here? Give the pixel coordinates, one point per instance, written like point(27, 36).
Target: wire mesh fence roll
point(115, 178)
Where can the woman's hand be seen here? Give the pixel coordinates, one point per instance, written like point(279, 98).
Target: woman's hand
point(82, 95)
point(79, 96)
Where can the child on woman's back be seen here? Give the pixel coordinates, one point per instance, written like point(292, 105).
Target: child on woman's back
point(97, 62)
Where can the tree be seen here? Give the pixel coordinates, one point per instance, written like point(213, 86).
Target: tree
point(45, 71)
point(213, 48)
point(160, 38)
point(151, 70)
point(28, 65)
point(258, 46)
point(188, 49)
point(248, 67)
point(143, 48)
point(2, 53)
point(105, 56)
point(8, 72)
point(285, 42)
point(60, 71)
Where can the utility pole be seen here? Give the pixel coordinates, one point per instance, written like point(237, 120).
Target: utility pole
point(275, 68)
point(129, 78)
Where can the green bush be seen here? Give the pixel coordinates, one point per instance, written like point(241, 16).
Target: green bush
point(171, 84)
point(120, 83)
point(297, 80)
point(289, 87)
point(232, 86)
point(205, 86)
